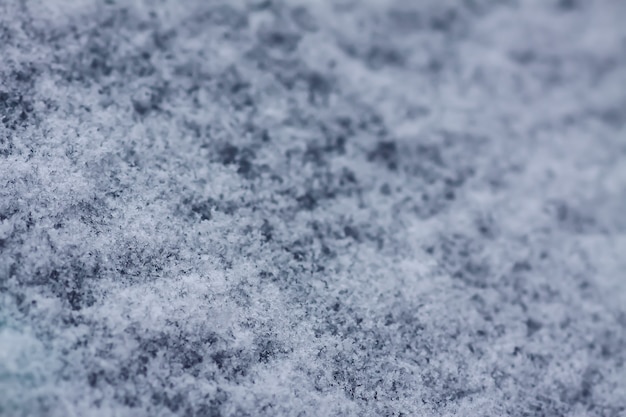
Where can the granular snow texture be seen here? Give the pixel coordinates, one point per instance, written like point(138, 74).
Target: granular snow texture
point(312, 208)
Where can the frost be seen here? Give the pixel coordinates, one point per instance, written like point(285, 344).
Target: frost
point(337, 208)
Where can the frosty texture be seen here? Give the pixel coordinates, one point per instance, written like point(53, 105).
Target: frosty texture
point(315, 208)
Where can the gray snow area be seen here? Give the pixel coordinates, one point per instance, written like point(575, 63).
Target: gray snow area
point(312, 208)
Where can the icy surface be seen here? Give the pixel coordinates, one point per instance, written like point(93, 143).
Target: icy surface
point(312, 208)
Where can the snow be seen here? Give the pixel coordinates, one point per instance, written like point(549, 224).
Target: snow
point(337, 208)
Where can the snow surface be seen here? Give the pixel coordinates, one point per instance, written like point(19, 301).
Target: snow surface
point(312, 208)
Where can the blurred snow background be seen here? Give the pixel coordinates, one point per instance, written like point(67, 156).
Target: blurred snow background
point(313, 208)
